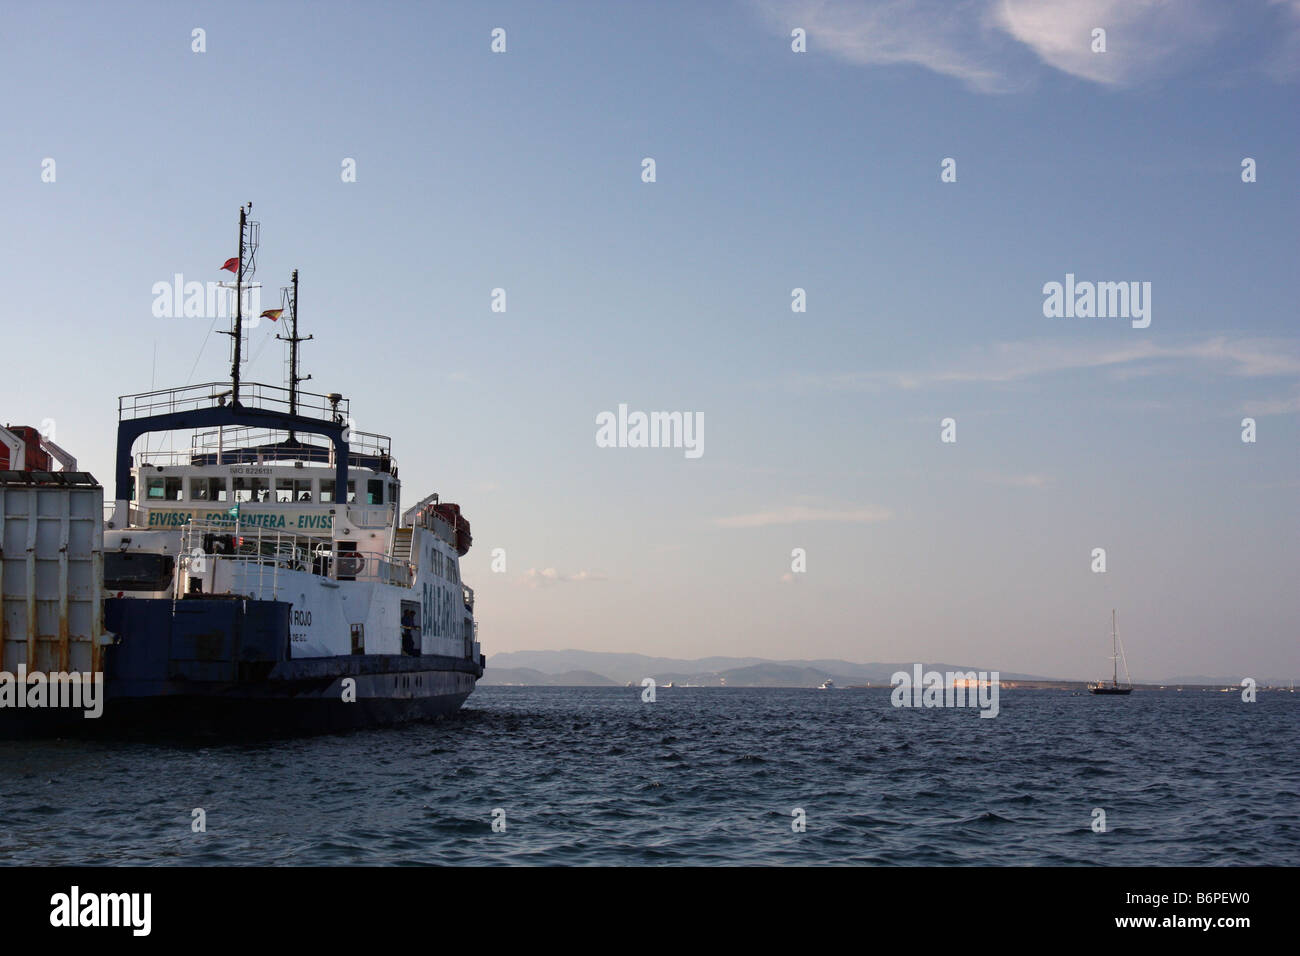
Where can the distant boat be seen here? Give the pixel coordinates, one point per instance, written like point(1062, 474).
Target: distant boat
point(827, 684)
point(1101, 687)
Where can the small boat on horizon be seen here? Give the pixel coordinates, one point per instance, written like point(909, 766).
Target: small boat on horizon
point(1113, 688)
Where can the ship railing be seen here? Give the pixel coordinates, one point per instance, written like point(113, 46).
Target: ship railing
point(257, 447)
point(234, 437)
point(370, 516)
point(143, 459)
point(133, 518)
point(215, 394)
point(371, 566)
point(269, 551)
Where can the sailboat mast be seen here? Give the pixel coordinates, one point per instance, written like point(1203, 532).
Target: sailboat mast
point(1114, 651)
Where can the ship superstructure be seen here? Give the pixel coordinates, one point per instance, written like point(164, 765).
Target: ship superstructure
point(256, 512)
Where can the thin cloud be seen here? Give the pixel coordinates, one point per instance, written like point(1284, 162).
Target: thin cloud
point(545, 577)
point(1284, 63)
point(933, 34)
point(1016, 361)
point(798, 514)
point(1017, 481)
point(1275, 406)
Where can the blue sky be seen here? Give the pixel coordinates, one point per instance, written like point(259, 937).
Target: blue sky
point(775, 170)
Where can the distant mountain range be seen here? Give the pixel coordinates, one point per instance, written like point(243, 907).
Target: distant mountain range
point(597, 668)
point(573, 668)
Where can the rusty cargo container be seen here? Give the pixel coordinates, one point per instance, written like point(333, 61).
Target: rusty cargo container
point(51, 572)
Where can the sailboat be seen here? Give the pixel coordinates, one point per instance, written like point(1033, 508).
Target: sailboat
point(1101, 687)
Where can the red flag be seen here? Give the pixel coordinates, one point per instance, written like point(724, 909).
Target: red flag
point(272, 314)
point(232, 264)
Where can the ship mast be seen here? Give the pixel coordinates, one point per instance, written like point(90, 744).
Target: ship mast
point(237, 333)
point(239, 309)
point(293, 339)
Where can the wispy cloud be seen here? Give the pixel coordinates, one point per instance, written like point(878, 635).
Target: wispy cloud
point(1015, 361)
point(798, 514)
point(1017, 481)
point(1145, 39)
point(544, 577)
point(1284, 63)
point(990, 45)
point(934, 34)
point(1274, 406)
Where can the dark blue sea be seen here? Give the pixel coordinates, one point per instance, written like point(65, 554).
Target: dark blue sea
point(700, 776)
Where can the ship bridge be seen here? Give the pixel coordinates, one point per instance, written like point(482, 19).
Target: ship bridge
point(262, 424)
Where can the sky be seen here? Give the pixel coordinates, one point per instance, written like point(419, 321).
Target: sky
point(774, 170)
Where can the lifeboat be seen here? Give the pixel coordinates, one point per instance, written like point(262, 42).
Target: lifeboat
point(450, 513)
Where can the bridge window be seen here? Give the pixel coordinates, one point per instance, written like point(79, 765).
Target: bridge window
point(163, 489)
point(375, 491)
point(292, 489)
point(252, 489)
point(327, 486)
point(207, 489)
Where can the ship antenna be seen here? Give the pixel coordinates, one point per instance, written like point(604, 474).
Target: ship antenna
point(293, 339)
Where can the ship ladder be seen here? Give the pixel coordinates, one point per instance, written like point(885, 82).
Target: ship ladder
point(402, 546)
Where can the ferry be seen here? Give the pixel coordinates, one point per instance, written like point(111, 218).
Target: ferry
point(268, 578)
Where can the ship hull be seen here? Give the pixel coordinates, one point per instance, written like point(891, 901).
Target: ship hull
point(223, 668)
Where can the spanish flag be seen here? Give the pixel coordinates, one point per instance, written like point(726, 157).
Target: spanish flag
point(232, 264)
point(272, 314)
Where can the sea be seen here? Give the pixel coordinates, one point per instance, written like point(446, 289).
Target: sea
point(700, 776)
